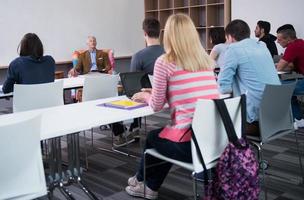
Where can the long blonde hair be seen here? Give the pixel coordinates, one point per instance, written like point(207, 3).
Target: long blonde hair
point(183, 46)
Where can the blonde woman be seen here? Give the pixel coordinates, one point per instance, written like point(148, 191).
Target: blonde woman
point(181, 76)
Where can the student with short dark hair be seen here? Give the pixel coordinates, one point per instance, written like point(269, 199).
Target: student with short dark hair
point(144, 59)
point(285, 27)
point(262, 31)
point(31, 67)
point(218, 40)
point(248, 67)
point(293, 60)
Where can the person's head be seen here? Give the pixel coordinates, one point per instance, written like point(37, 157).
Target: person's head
point(262, 28)
point(285, 27)
point(182, 44)
point(151, 27)
point(217, 35)
point(285, 36)
point(237, 30)
point(31, 45)
point(91, 42)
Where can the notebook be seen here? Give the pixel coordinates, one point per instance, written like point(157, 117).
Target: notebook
point(133, 82)
point(125, 104)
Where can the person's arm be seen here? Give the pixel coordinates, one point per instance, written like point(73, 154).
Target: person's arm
point(11, 79)
point(107, 63)
point(213, 54)
point(283, 65)
point(228, 71)
point(135, 65)
point(76, 70)
point(158, 97)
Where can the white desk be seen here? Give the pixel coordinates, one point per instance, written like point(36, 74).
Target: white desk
point(62, 120)
point(68, 83)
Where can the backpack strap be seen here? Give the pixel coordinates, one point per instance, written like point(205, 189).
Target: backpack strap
point(200, 157)
point(229, 127)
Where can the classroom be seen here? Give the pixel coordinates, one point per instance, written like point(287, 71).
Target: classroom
point(151, 99)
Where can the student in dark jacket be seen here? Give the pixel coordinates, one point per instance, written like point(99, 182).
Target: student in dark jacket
point(262, 32)
point(31, 67)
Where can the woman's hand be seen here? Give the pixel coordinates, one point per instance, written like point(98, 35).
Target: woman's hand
point(149, 90)
point(141, 97)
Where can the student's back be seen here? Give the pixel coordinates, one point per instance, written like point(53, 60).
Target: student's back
point(28, 70)
point(31, 67)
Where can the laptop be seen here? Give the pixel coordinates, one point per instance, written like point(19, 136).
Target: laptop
point(133, 82)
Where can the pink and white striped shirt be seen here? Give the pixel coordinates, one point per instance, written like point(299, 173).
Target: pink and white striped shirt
point(180, 89)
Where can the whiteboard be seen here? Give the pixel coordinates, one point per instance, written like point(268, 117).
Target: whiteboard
point(277, 12)
point(63, 26)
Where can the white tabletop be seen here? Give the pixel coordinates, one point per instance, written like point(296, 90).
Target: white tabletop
point(68, 83)
point(62, 120)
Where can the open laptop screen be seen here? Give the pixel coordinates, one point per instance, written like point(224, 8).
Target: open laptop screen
point(133, 82)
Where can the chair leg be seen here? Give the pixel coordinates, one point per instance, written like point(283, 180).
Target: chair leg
point(144, 174)
point(92, 137)
point(263, 173)
point(299, 154)
point(86, 151)
point(195, 195)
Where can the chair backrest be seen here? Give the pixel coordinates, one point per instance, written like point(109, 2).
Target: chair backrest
point(210, 132)
point(35, 96)
point(110, 52)
point(21, 169)
point(99, 86)
point(275, 114)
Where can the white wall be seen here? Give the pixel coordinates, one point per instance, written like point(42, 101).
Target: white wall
point(277, 12)
point(63, 25)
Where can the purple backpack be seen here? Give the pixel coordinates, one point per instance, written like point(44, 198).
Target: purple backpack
point(236, 174)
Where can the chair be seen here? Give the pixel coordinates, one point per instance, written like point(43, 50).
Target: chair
point(109, 51)
point(21, 169)
point(98, 87)
point(34, 96)
point(275, 119)
point(211, 142)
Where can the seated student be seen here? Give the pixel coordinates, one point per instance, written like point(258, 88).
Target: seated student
point(217, 38)
point(262, 32)
point(181, 76)
point(31, 67)
point(248, 67)
point(91, 60)
point(144, 59)
point(293, 60)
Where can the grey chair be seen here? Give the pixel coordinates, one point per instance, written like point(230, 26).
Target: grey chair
point(275, 120)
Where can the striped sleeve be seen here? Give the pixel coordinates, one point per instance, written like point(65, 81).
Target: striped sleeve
point(160, 84)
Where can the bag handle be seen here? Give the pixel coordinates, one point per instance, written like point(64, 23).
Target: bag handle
point(229, 127)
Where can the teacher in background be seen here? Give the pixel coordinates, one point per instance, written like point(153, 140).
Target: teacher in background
point(31, 67)
point(92, 60)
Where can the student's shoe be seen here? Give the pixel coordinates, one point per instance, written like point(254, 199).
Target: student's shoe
point(135, 132)
point(138, 191)
point(132, 181)
point(299, 123)
point(122, 140)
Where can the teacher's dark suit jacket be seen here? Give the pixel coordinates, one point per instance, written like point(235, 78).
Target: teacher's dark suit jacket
point(84, 62)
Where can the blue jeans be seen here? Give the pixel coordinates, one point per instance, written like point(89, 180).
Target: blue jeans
point(299, 90)
point(156, 174)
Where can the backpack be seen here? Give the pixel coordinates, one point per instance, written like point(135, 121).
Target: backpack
point(236, 175)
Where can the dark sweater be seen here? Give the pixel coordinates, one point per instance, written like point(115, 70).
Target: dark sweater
point(270, 39)
point(28, 70)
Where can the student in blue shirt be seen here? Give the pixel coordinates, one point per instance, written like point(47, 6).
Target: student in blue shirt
point(31, 67)
point(248, 68)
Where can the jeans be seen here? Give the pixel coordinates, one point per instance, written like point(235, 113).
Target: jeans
point(299, 90)
point(156, 169)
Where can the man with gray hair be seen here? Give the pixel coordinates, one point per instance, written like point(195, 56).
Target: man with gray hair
point(91, 60)
point(293, 60)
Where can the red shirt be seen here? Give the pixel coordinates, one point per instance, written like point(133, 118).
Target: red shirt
point(295, 53)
